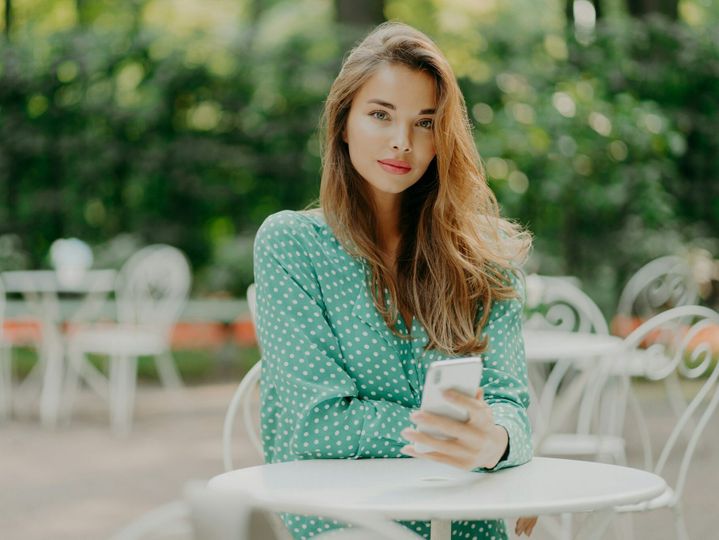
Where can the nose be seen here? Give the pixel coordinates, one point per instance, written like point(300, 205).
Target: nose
point(401, 140)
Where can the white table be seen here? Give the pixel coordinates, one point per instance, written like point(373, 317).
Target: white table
point(549, 345)
point(415, 489)
point(40, 290)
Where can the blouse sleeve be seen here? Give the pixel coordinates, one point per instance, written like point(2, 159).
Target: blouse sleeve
point(505, 376)
point(301, 357)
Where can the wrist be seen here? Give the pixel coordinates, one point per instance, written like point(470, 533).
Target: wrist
point(499, 444)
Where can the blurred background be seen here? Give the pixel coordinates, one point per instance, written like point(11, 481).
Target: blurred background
point(187, 122)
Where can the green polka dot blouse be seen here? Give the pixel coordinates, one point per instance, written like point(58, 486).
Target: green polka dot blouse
point(337, 384)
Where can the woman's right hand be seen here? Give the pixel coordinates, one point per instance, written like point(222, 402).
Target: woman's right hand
point(525, 525)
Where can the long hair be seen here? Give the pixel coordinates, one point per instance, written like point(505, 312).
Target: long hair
point(455, 252)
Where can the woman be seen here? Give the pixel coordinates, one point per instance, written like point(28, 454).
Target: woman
point(405, 262)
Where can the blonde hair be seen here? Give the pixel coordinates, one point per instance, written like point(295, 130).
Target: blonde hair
point(455, 251)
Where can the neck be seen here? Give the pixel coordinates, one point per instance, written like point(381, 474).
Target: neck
point(388, 212)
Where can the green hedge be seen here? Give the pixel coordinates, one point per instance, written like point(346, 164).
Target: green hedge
point(605, 150)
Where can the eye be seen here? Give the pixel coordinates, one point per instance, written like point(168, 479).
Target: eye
point(426, 123)
point(379, 115)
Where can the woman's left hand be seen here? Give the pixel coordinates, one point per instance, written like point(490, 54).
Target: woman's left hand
point(478, 442)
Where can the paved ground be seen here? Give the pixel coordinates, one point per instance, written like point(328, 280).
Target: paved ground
point(81, 482)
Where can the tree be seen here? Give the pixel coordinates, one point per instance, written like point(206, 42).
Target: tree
point(8, 18)
point(360, 13)
point(642, 8)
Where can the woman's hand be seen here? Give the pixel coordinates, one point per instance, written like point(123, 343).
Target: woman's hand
point(525, 525)
point(478, 442)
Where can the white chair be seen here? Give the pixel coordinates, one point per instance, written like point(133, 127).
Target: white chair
point(570, 389)
point(659, 285)
point(204, 514)
point(242, 401)
point(679, 340)
point(151, 291)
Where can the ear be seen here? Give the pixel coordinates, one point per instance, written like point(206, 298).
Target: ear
point(344, 134)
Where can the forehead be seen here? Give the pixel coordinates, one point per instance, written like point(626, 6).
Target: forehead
point(401, 86)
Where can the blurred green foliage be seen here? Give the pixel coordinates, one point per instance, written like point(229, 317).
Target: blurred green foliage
point(603, 143)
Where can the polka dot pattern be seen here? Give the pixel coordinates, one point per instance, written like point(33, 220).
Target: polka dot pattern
point(337, 384)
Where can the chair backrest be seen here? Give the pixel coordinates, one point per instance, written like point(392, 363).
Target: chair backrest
point(152, 287)
point(560, 305)
point(684, 340)
point(564, 306)
point(242, 401)
point(661, 284)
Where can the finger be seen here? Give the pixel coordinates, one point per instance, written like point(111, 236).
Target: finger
point(526, 524)
point(442, 445)
point(446, 425)
point(470, 403)
point(443, 458)
point(409, 450)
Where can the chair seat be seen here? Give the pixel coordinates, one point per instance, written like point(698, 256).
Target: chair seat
point(120, 340)
point(571, 444)
point(665, 500)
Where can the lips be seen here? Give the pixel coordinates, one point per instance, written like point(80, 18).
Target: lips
point(395, 166)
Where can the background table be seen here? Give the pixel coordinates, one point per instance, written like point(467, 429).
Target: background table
point(548, 345)
point(40, 290)
point(415, 489)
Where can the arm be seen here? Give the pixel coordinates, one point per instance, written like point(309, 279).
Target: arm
point(497, 434)
point(302, 359)
point(505, 376)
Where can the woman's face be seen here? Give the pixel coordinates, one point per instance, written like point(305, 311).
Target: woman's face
point(389, 129)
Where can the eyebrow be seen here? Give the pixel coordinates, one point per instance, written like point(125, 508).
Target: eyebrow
point(390, 106)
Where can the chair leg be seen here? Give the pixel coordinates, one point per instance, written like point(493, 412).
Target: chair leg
point(679, 526)
point(623, 525)
point(565, 527)
point(52, 381)
point(166, 369)
point(72, 381)
point(123, 380)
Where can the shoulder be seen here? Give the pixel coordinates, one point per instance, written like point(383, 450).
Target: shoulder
point(289, 227)
point(512, 279)
point(515, 279)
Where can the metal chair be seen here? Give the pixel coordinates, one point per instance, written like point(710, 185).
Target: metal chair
point(151, 291)
point(570, 388)
point(242, 401)
point(679, 341)
point(659, 285)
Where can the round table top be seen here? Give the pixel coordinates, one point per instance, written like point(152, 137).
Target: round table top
point(422, 490)
point(547, 345)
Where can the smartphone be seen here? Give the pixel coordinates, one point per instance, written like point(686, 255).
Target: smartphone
point(460, 374)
